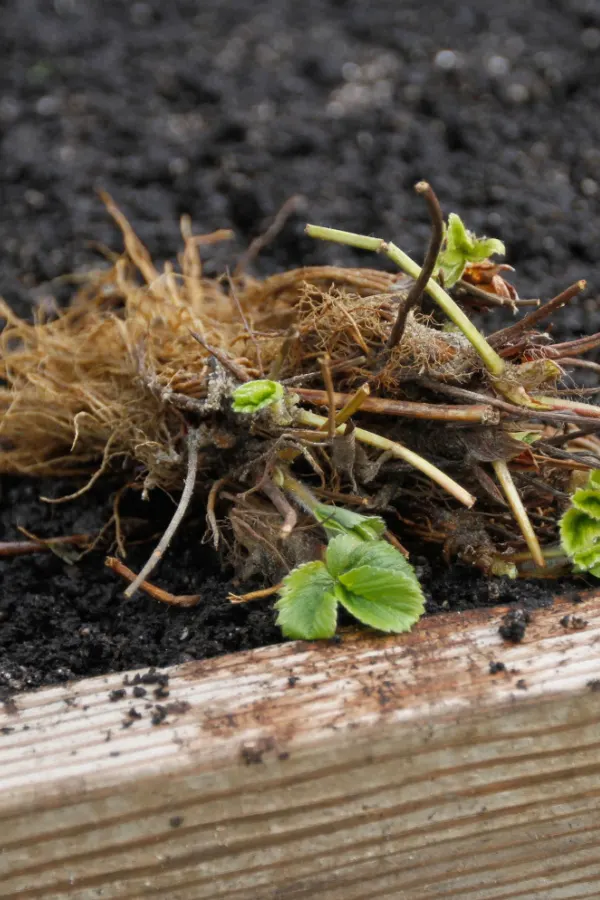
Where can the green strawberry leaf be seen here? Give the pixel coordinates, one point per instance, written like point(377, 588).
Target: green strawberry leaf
point(381, 555)
point(255, 395)
point(340, 551)
point(382, 598)
point(307, 606)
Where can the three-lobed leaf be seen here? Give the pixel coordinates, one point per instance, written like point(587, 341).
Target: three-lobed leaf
point(255, 395)
point(371, 579)
point(462, 247)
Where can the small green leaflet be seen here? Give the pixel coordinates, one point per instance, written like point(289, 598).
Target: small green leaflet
point(337, 520)
point(580, 527)
point(307, 606)
point(462, 247)
point(255, 395)
point(370, 578)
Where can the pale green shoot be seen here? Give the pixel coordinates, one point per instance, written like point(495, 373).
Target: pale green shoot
point(462, 247)
point(256, 395)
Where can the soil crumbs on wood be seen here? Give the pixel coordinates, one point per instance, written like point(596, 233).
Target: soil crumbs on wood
point(214, 132)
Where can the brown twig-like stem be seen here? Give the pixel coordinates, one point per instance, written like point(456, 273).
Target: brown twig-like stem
point(465, 287)
point(560, 439)
point(184, 502)
point(226, 361)
point(435, 244)
point(285, 509)
point(263, 240)
point(151, 589)
point(211, 517)
point(22, 548)
point(579, 363)
point(581, 345)
point(328, 382)
point(341, 366)
point(584, 410)
point(520, 513)
point(519, 412)
point(502, 337)
point(254, 595)
point(479, 412)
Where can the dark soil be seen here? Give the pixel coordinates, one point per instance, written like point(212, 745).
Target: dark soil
point(223, 111)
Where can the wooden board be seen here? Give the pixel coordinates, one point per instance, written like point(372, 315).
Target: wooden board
point(373, 769)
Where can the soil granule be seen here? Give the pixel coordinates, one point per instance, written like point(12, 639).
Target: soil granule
point(224, 111)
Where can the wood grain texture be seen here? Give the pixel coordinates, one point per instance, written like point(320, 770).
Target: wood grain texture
point(375, 769)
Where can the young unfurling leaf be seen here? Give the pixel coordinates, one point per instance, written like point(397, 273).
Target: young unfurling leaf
point(580, 527)
point(462, 247)
point(337, 520)
point(255, 395)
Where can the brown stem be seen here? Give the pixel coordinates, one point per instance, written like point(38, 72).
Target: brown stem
point(435, 245)
point(560, 439)
point(22, 548)
point(465, 287)
point(211, 517)
point(341, 366)
point(151, 589)
point(226, 361)
point(499, 338)
point(254, 595)
point(518, 412)
point(280, 502)
point(473, 413)
point(328, 382)
point(579, 363)
point(581, 345)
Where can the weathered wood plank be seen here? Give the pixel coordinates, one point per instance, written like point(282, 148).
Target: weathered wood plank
point(377, 768)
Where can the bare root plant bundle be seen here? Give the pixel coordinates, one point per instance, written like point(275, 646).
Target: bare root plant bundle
point(273, 401)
